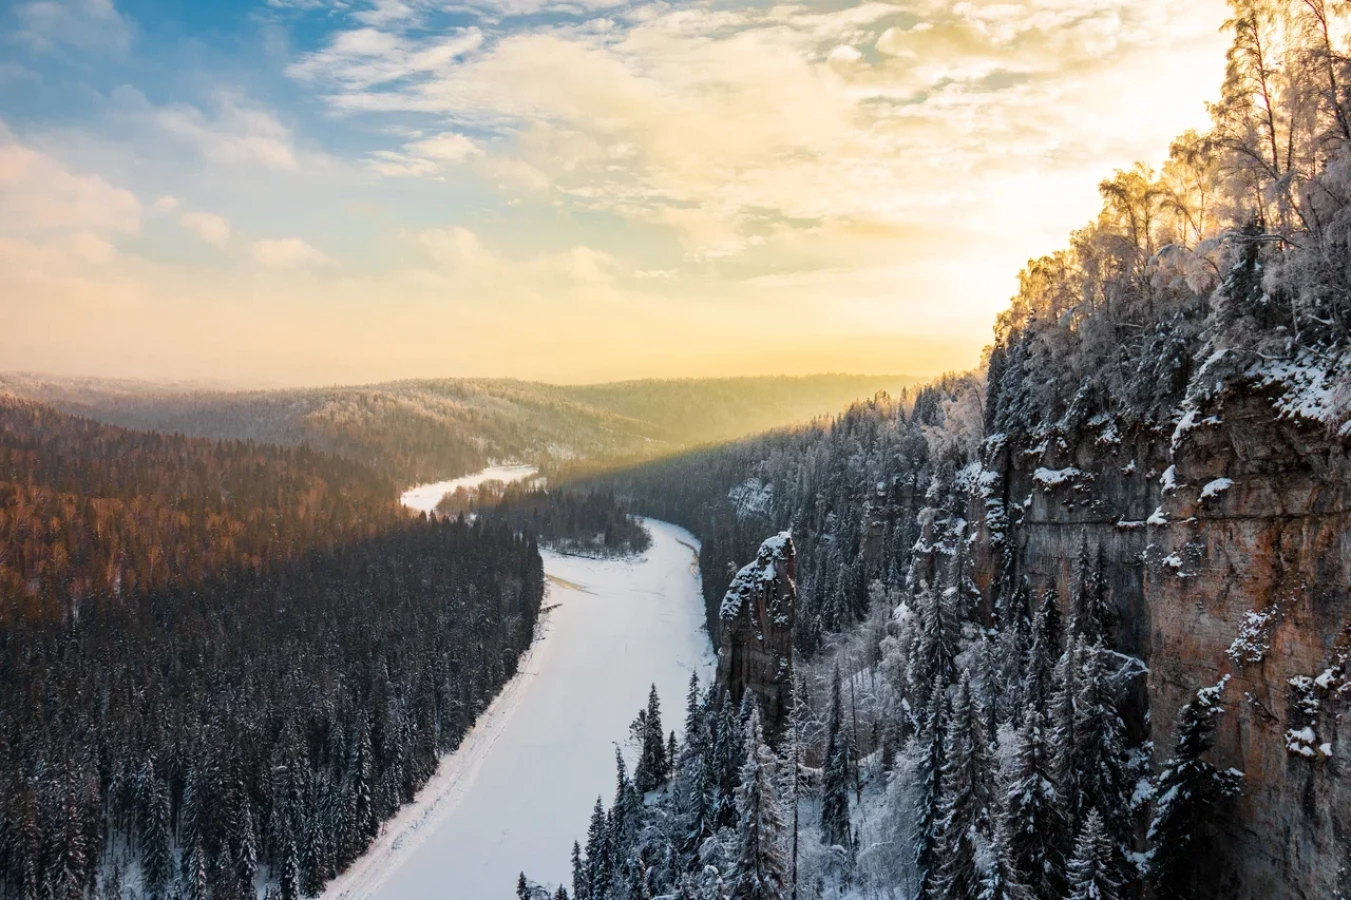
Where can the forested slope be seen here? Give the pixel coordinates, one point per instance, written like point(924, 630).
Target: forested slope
point(1107, 656)
point(421, 431)
point(222, 665)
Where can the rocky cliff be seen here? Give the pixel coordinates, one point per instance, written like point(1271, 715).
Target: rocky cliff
point(756, 619)
point(1226, 544)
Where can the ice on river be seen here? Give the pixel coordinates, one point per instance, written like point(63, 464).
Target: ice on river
point(424, 497)
point(519, 790)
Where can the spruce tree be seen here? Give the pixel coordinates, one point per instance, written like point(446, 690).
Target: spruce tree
point(761, 866)
point(835, 830)
point(581, 882)
point(962, 807)
point(1190, 793)
point(598, 854)
point(653, 768)
point(1092, 868)
point(1098, 750)
point(1035, 830)
point(929, 810)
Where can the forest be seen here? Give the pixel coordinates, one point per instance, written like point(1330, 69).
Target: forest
point(591, 523)
point(431, 430)
point(223, 665)
point(985, 708)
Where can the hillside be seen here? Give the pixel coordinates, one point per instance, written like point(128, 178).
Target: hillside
point(223, 665)
point(1078, 625)
point(416, 431)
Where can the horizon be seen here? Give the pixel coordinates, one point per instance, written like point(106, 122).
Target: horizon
point(224, 386)
point(301, 192)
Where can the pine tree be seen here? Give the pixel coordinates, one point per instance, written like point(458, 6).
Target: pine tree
point(835, 829)
point(1092, 867)
point(1035, 829)
point(761, 867)
point(194, 874)
point(156, 860)
point(965, 772)
point(929, 810)
point(581, 881)
point(1001, 880)
point(598, 855)
point(1190, 794)
point(1098, 751)
point(653, 767)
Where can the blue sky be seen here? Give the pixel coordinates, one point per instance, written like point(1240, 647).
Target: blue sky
point(336, 190)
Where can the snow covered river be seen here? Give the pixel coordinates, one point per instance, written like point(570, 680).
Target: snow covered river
point(520, 788)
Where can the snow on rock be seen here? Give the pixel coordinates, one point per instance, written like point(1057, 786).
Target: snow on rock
point(519, 789)
point(756, 575)
point(1254, 636)
point(1216, 487)
point(1051, 478)
point(1301, 741)
point(1168, 480)
point(1158, 519)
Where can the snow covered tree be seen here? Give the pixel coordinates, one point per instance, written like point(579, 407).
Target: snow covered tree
point(1001, 879)
point(1097, 748)
point(1189, 795)
point(156, 859)
point(835, 830)
point(653, 767)
point(1092, 867)
point(1035, 830)
point(929, 802)
point(599, 859)
point(963, 805)
point(762, 869)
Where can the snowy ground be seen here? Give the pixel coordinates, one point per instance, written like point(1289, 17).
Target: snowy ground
point(520, 789)
point(424, 497)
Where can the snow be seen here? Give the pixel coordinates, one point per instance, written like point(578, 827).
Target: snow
point(1216, 487)
point(1168, 481)
point(1050, 478)
point(1158, 518)
point(424, 497)
point(519, 790)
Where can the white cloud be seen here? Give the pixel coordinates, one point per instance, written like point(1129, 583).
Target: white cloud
point(426, 157)
point(39, 195)
point(207, 227)
point(287, 253)
point(236, 134)
point(81, 24)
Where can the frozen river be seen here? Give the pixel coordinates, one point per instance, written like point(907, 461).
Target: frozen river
point(520, 788)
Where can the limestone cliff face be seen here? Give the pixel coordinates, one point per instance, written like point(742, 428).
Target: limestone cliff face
point(758, 612)
point(1227, 546)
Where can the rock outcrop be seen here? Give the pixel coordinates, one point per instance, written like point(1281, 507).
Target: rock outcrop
point(756, 620)
point(1226, 543)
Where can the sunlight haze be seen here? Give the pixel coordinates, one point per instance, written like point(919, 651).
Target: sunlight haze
point(305, 191)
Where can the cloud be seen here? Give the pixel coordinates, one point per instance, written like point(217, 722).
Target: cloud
point(287, 253)
point(79, 24)
point(210, 228)
point(427, 156)
point(462, 251)
point(39, 196)
point(236, 134)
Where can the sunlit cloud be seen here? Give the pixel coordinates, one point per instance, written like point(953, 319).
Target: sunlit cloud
point(287, 253)
point(855, 185)
point(207, 227)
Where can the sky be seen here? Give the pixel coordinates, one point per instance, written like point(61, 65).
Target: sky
point(326, 191)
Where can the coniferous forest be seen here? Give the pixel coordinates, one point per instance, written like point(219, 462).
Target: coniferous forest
point(222, 665)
